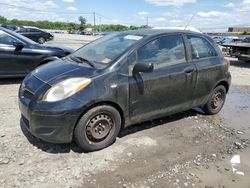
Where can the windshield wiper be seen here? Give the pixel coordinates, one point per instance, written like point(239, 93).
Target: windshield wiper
point(81, 60)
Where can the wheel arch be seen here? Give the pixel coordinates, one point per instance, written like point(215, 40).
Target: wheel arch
point(48, 59)
point(223, 83)
point(109, 103)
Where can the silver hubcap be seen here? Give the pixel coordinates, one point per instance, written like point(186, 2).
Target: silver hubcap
point(99, 127)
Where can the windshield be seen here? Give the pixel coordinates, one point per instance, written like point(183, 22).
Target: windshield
point(107, 49)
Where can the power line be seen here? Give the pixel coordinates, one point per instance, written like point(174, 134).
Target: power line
point(111, 19)
point(64, 13)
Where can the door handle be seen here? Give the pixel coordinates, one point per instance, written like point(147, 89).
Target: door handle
point(189, 70)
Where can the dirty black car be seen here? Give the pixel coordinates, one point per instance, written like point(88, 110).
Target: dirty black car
point(20, 55)
point(122, 79)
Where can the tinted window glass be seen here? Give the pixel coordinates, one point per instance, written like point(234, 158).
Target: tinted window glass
point(164, 51)
point(201, 48)
point(34, 30)
point(6, 39)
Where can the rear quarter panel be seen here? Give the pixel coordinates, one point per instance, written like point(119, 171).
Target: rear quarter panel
point(211, 71)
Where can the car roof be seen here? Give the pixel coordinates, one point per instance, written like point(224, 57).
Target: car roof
point(6, 30)
point(151, 32)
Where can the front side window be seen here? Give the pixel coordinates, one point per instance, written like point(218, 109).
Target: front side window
point(163, 51)
point(201, 48)
point(6, 39)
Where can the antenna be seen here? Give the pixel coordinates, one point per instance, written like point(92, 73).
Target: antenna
point(190, 20)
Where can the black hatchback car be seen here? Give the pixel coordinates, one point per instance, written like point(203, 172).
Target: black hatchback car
point(35, 34)
point(20, 55)
point(122, 79)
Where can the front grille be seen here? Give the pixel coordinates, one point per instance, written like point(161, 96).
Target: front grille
point(27, 94)
point(32, 84)
point(29, 86)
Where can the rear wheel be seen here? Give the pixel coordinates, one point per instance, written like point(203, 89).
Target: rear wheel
point(98, 128)
point(41, 40)
point(216, 100)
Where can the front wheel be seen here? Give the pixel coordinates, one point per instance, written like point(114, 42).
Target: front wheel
point(41, 40)
point(216, 100)
point(98, 128)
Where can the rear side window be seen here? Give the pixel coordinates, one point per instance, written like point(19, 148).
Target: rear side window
point(201, 48)
point(163, 51)
point(33, 30)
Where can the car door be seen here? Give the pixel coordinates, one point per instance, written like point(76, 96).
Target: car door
point(8, 59)
point(169, 87)
point(209, 66)
point(12, 61)
point(25, 32)
point(35, 34)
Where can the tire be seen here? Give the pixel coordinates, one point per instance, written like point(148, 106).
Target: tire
point(216, 100)
point(41, 40)
point(98, 128)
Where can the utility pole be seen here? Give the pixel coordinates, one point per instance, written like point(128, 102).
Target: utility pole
point(100, 24)
point(147, 21)
point(94, 19)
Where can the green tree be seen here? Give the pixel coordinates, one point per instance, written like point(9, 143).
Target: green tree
point(82, 21)
point(245, 33)
point(3, 20)
point(72, 27)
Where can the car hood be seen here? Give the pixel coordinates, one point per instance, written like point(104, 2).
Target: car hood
point(62, 69)
point(57, 47)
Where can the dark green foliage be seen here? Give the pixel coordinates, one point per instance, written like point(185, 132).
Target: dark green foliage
point(245, 33)
point(82, 21)
point(3, 20)
point(71, 27)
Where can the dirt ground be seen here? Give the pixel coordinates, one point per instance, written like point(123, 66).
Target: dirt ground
point(188, 149)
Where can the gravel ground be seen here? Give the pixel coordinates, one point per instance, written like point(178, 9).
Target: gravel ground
point(184, 150)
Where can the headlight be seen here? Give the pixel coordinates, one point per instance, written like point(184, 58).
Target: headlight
point(65, 89)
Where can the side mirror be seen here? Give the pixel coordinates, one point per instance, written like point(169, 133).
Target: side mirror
point(143, 67)
point(19, 46)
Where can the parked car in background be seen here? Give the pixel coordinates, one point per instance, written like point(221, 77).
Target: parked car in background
point(228, 40)
point(217, 39)
point(122, 79)
point(247, 39)
point(85, 32)
point(80, 32)
point(35, 34)
point(10, 27)
point(20, 55)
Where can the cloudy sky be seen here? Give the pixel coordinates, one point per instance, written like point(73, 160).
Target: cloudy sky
point(209, 15)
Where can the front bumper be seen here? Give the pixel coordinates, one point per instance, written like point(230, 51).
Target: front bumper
point(50, 38)
point(53, 126)
point(52, 122)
